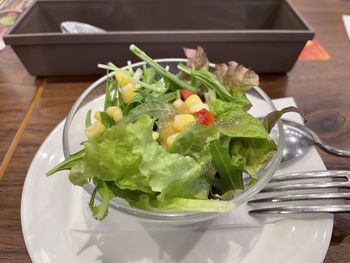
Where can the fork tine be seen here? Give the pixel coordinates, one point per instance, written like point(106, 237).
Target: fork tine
point(300, 197)
point(296, 209)
point(312, 174)
point(281, 186)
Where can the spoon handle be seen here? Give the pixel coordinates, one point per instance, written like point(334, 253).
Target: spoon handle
point(333, 150)
point(325, 147)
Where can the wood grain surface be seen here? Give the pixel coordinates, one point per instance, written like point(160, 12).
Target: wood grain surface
point(17, 89)
point(321, 89)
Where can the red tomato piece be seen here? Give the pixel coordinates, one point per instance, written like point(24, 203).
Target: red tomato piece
point(185, 93)
point(204, 117)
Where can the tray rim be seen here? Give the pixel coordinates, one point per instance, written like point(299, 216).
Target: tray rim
point(147, 36)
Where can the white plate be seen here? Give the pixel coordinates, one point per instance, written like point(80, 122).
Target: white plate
point(45, 223)
point(50, 204)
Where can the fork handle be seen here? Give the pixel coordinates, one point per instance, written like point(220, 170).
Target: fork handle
point(298, 209)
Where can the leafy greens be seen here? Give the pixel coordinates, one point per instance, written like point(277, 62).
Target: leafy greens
point(204, 165)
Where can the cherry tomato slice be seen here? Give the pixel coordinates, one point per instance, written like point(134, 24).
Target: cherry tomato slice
point(185, 93)
point(204, 117)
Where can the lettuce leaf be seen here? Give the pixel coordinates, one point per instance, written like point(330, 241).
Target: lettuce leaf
point(236, 76)
point(255, 152)
point(177, 204)
point(193, 138)
point(196, 58)
point(234, 121)
point(112, 159)
point(133, 165)
point(250, 143)
point(77, 175)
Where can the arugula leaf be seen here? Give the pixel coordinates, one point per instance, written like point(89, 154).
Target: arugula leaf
point(231, 176)
point(166, 74)
point(271, 118)
point(208, 80)
point(111, 66)
point(68, 163)
point(109, 88)
point(88, 119)
point(100, 211)
point(148, 74)
point(106, 120)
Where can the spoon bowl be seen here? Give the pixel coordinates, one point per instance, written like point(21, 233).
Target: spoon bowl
point(79, 27)
point(299, 139)
point(297, 143)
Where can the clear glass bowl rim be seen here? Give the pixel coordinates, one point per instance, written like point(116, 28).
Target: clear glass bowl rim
point(181, 216)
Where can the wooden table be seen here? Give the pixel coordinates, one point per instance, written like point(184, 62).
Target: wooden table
point(30, 108)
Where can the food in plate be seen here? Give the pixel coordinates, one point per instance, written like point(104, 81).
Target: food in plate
point(173, 143)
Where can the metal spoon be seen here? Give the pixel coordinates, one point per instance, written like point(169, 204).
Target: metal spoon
point(78, 27)
point(299, 138)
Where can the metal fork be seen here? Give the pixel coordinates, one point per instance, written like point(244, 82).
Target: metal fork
point(293, 187)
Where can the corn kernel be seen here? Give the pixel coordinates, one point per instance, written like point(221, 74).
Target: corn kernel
point(95, 130)
point(181, 121)
point(178, 104)
point(97, 115)
point(190, 103)
point(170, 140)
point(166, 131)
point(128, 92)
point(196, 107)
point(122, 78)
point(155, 135)
point(115, 112)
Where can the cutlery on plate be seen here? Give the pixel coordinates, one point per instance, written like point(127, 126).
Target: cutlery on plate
point(299, 138)
point(301, 188)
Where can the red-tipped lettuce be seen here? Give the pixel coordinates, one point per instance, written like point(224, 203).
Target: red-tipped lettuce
point(236, 76)
point(197, 58)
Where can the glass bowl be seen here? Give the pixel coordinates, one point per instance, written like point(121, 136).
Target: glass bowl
point(93, 98)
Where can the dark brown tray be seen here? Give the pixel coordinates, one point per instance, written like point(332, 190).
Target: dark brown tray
point(266, 35)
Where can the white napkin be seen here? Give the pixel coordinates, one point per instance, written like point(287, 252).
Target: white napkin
point(80, 218)
point(346, 20)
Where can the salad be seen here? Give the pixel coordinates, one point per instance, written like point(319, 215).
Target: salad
point(173, 143)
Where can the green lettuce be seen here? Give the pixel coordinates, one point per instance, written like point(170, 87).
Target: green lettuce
point(184, 204)
point(234, 121)
point(250, 142)
point(193, 138)
point(135, 167)
point(254, 151)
